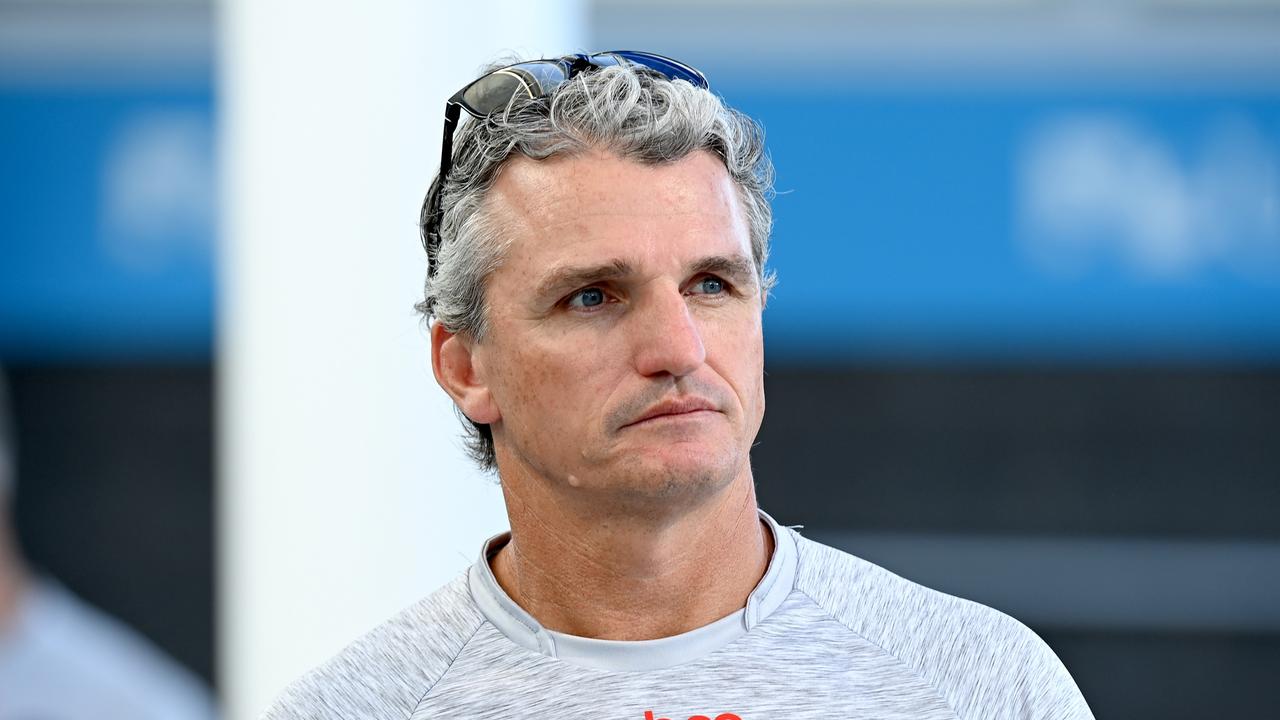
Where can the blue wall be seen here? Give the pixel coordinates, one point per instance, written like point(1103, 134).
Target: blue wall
point(932, 226)
point(1013, 226)
point(109, 211)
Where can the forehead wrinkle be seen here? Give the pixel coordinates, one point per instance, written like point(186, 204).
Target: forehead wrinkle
point(551, 199)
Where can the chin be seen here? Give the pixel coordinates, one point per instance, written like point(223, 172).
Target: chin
point(681, 468)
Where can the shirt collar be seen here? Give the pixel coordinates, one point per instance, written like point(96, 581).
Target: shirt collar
point(634, 655)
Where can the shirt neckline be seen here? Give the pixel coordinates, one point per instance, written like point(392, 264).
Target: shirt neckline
point(634, 655)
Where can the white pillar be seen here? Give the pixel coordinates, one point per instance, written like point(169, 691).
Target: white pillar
point(343, 493)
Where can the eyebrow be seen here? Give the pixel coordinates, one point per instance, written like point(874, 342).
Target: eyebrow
point(570, 277)
point(739, 268)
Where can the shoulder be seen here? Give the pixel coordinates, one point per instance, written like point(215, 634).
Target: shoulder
point(386, 673)
point(983, 662)
point(75, 660)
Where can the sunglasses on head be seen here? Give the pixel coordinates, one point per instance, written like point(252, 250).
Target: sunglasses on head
point(533, 79)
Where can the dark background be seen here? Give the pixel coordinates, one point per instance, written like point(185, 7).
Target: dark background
point(1111, 453)
point(115, 493)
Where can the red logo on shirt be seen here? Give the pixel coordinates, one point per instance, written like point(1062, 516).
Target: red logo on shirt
point(648, 715)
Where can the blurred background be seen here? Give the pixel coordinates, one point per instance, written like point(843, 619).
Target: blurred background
point(1025, 347)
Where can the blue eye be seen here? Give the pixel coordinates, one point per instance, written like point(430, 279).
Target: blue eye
point(711, 285)
point(590, 297)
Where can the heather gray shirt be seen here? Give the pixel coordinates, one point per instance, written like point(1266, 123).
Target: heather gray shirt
point(824, 635)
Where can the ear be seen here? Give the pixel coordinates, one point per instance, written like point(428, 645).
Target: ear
point(453, 361)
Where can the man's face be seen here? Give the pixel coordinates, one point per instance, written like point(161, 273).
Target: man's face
point(628, 290)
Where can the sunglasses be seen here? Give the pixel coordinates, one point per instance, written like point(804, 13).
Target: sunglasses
point(533, 79)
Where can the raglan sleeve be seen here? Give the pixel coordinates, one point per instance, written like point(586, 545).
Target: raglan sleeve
point(1036, 684)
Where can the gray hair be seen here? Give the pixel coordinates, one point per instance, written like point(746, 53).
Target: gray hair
point(629, 111)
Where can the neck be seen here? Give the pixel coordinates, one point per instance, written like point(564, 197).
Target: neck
point(631, 576)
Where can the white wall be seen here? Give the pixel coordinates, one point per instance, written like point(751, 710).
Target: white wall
point(344, 495)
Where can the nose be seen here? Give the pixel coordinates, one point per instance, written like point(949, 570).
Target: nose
point(667, 338)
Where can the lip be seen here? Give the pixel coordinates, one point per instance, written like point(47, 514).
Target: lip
point(674, 407)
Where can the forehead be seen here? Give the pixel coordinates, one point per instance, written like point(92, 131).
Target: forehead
point(597, 207)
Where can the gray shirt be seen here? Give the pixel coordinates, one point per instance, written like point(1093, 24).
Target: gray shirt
point(824, 634)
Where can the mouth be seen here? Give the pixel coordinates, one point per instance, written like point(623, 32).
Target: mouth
point(692, 408)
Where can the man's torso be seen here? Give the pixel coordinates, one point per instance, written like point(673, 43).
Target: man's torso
point(832, 636)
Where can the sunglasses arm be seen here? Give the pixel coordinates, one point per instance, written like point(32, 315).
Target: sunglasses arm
point(452, 111)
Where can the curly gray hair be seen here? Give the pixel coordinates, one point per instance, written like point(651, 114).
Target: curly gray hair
point(629, 111)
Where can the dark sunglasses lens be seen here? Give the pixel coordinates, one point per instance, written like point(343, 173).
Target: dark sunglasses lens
point(493, 91)
point(673, 69)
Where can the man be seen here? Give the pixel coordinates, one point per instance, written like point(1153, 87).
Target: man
point(598, 245)
point(63, 659)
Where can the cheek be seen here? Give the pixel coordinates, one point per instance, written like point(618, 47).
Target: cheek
point(741, 350)
point(756, 352)
point(547, 389)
